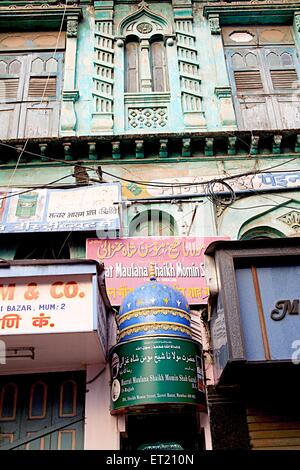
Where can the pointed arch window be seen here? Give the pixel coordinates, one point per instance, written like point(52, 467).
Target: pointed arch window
point(145, 66)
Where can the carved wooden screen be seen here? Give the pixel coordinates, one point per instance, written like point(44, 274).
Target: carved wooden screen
point(32, 403)
point(263, 67)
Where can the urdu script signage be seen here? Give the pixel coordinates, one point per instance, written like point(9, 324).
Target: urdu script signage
point(178, 261)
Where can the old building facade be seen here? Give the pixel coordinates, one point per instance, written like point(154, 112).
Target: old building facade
point(122, 120)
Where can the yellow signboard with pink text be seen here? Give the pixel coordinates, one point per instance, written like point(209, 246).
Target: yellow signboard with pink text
point(177, 261)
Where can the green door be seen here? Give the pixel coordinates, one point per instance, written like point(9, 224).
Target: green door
point(33, 403)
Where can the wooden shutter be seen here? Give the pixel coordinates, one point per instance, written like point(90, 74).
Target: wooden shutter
point(42, 87)
point(42, 95)
point(158, 66)
point(247, 81)
point(264, 79)
point(249, 88)
point(12, 78)
point(132, 67)
point(30, 94)
point(282, 71)
point(283, 79)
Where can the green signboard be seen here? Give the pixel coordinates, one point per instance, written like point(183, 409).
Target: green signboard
point(156, 371)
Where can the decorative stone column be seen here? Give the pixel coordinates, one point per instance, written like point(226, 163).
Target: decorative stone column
point(146, 79)
point(223, 88)
point(70, 93)
point(227, 115)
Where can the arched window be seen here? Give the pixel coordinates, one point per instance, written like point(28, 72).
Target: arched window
point(145, 66)
point(153, 223)
point(261, 232)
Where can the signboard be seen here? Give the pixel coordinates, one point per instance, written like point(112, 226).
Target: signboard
point(278, 316)
point(262, 181)
point(178, 261)
point(46, 304)
point(156, 371)
point(46, 210)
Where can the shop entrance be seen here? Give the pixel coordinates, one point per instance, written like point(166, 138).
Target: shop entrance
point(170, 429)
point(50, 404)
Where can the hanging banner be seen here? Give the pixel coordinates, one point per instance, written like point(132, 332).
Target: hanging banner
point(177, 261)
point(156, 371)
point(47, 210)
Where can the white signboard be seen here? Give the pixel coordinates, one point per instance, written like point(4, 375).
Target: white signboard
point(46, 304)
point(46, 210)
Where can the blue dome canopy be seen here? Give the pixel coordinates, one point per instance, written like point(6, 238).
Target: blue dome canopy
point(154, 294)
point(154, 309)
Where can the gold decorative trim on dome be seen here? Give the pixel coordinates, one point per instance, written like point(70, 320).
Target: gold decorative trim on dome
point(154, 311)
point(155, 326)
point(154, 308)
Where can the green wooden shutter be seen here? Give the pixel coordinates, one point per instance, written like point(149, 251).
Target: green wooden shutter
point(32, 403)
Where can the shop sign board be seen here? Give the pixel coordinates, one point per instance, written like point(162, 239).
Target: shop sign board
point(177, 261)
point(52, 210)
point(47, 304)
point(156, 371)
point(271, 326)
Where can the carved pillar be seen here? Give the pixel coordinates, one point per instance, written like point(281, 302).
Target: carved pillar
point(226, 110)
point(145, 71)
point(119, 106)
point(102, 117)
point(70, 93)
point(214, 24)
point(174, 84)
point(296, 27)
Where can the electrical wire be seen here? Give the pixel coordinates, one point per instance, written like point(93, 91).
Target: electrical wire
point(159, 184)
point(256, 193)
point(257, 207)
point(215, 198)
point(33, 188)
point(170, 185)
